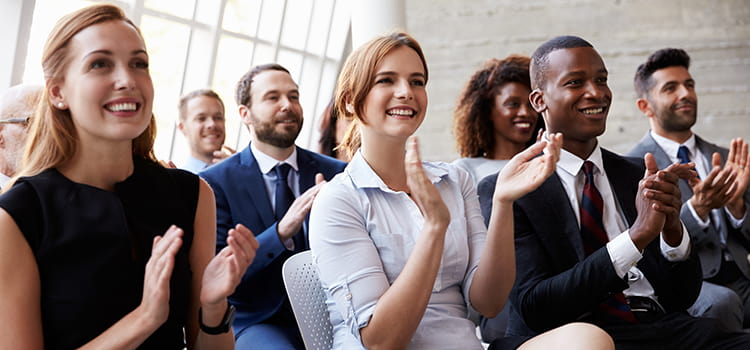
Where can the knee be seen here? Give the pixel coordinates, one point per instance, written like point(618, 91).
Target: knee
point(576, 335)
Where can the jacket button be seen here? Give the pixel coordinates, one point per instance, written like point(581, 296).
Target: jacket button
point(269, 255)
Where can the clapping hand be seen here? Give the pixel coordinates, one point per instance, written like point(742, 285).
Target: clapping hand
point(423, 192)
point(224, 272)
point(525, 171)
point(739, 162)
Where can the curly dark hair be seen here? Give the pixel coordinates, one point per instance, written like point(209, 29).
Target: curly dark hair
point(472, 119)
point(660, 59)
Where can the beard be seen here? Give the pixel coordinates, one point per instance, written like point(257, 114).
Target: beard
point(266, 131)
point(672, 120)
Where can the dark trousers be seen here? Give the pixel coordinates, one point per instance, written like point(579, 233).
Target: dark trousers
point(677, 330)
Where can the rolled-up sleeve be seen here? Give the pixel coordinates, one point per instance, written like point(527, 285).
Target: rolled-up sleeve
point(348, 262)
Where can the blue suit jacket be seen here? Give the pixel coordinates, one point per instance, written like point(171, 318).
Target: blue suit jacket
point(241, 198)
point(705, 241)
point(555, 282)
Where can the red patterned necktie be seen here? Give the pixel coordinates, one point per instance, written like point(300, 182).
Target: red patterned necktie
point(594, 237)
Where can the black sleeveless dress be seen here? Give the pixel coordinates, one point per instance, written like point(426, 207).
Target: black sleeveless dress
point(92, 246)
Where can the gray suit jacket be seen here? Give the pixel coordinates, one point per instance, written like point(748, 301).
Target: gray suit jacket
point(706, 241)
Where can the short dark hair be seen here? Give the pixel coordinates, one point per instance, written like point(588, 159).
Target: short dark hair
point(193, 94)
point(540, 62)
point(242, 94)
point(660, 59)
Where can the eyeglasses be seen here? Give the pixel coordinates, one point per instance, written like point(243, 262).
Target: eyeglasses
point(16, 120)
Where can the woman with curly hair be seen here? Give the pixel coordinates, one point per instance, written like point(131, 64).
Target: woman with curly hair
point(494, 119)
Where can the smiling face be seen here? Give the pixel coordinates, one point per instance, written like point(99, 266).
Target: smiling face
point(575, 97)
point(396, 104)
point(203, 126)
point(107, 86)
point(672, 101)
point(275, 114)
point(513, 117)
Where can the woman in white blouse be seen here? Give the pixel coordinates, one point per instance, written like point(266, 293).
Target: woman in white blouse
point(401, 245)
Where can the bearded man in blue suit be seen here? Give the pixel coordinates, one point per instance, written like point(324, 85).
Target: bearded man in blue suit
point(250, 189)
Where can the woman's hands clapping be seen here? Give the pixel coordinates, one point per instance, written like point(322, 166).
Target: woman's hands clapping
point(525, 172)
point(225, 270)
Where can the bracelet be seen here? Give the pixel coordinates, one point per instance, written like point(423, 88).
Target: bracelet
point(223, 327)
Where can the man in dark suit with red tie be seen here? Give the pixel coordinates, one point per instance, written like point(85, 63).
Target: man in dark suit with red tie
point(600, 241)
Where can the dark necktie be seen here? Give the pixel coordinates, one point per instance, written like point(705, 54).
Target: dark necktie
point(684, 156)
point(594, 237)
point(284, 199)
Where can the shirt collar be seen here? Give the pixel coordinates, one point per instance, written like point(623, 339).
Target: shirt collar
point(266, 163)
point(670, 147)
point(364, 177)
point(572, 164)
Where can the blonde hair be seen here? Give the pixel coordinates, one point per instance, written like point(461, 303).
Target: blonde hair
point(356, 80)
point(52, 138)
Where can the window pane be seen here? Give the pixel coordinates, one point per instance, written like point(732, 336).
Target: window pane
point(241, 16)
point(320, 26)
point(263, 54)
point(166, 42)
point(339, 29)
point(179, 8)
point(296, 20)
point(46, 14)
point(291, 61)
point(232, 61)
point(270, 21)
point(199, 59)
point(208, 11)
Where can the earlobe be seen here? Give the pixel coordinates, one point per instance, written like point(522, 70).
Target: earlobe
point(537, 100)
point(350, 108)
point(244, 114)
point(55, 96)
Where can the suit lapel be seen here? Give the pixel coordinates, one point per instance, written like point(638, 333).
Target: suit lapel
point(551, 197)
point(255, 189)
point(308, 167)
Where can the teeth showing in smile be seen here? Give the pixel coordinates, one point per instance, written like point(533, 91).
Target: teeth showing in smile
point(122, 107)
point(593, 110)
point(523, 125)
point(403, 112)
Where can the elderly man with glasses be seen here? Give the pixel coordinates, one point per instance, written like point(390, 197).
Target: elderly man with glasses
point(16, 107)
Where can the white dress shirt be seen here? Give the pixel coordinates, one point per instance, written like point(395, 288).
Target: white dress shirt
point(361, 235)
point(622, 250)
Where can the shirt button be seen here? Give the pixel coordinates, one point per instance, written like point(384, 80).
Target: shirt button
point(349, 296)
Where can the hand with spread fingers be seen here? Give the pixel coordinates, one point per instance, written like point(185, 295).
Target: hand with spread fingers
point(739, 161)
point(291, 223)
point(525, 171)
point(715, 190)
point(224, 272)
point(423, 192)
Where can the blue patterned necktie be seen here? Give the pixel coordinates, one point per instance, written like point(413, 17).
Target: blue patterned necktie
point(284, 199)
point(683, 154)
point(594, 237)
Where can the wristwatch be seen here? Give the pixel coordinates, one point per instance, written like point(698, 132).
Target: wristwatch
point(223, 327)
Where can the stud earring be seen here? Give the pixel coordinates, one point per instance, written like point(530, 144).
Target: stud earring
point(60, 105)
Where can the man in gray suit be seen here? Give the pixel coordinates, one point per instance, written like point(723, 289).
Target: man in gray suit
point(715, 205)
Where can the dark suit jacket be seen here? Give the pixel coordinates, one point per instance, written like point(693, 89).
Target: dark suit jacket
point(241, 198)
point(555, 283)
point(705, 241)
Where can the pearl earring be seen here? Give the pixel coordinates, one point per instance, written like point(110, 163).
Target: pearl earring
point(60, 105)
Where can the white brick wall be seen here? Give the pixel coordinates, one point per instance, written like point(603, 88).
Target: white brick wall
point(458, 36)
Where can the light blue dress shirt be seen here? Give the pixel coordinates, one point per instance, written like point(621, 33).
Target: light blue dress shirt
point(361, 235)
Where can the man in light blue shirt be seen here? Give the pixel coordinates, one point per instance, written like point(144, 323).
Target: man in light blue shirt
point(202, 123)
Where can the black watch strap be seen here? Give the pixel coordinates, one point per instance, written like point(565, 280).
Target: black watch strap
point(223, 327)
